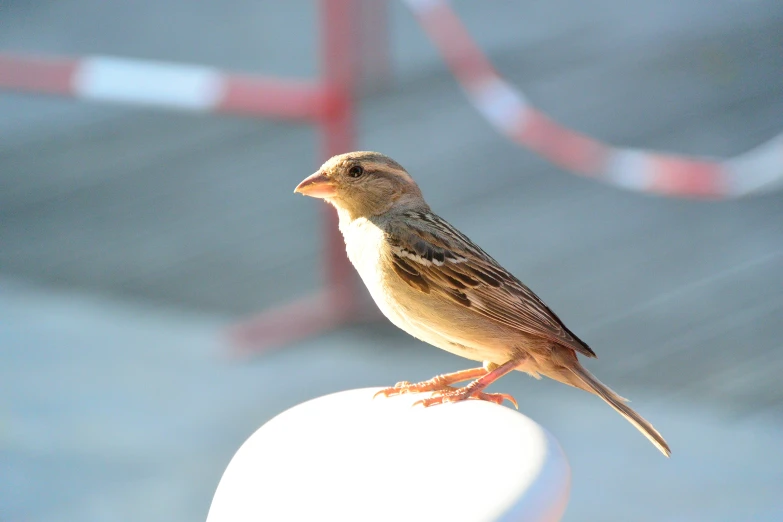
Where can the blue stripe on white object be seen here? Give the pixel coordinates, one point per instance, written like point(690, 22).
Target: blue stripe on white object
point(350, 457)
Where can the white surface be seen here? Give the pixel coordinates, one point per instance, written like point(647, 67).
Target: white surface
point(501, 105)
point(347, 456)
point(630, 169)
point(148, 83)
point(758, 169)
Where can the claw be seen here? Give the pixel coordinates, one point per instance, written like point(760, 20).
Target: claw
point(388, 392)
point(507, 397)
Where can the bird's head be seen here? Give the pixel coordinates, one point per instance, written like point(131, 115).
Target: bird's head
point(363, 184)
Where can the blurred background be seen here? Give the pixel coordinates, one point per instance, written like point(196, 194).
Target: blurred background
point(132, 239)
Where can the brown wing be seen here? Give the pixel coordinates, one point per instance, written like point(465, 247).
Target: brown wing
point(433, 256)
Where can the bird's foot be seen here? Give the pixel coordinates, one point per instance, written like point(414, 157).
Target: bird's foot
point(465, 393)
point(438, 384)
point(403, 387)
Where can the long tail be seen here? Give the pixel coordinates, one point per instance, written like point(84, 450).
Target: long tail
point(591, 384)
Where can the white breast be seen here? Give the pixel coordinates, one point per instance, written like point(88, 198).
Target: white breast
point(366, 248)
point(364, 242)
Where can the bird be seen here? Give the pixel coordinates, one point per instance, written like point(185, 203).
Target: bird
point(430, 280)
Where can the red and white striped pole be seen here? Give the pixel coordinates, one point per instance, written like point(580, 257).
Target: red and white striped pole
point(161, 84)
point(339, 54)
point(327, 103)
point(338, 302)
point(508, 110)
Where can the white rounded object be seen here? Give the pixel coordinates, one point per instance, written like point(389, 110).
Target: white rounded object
point(350, 457)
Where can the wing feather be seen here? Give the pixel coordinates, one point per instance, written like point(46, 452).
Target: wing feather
point(433, 256)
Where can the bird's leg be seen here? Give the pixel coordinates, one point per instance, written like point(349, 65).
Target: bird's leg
point(475, 390)
point(439, 383)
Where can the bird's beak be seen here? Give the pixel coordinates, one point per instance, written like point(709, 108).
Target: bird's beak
point(317, 185)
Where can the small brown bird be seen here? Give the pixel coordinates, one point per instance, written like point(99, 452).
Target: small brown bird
point(433, 282)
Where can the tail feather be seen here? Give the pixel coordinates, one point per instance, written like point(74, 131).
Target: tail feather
point(591, 384)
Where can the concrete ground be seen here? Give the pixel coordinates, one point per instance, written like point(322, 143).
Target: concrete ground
point(129, 238)
point(122, 411)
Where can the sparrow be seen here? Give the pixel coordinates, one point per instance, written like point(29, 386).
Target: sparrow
point(434, 283)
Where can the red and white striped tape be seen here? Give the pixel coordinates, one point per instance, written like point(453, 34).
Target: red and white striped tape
point(197, 88)
point(170, 85)
point(507, 109)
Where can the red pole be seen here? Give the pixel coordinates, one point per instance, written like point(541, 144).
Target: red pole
point(374, 62)
point(339, 42)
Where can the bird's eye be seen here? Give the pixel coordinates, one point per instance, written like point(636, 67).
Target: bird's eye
point(355, 171)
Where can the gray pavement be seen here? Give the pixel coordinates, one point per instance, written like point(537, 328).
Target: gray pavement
point(124, 411)
point(145, 232)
